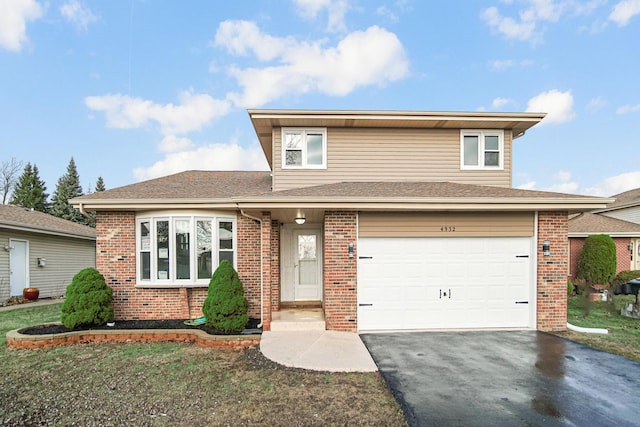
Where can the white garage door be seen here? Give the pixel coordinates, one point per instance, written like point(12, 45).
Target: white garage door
point(431, 283)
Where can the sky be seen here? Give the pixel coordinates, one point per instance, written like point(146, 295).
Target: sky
point(137, 89)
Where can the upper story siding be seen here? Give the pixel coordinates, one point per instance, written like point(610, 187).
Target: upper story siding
point(631, 214)
point(379, 154)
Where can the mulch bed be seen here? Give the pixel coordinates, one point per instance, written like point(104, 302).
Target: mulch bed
point(252, 327)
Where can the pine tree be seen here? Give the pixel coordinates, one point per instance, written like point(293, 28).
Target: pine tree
point(100, 184)
point(30, 191)
point(68, 187)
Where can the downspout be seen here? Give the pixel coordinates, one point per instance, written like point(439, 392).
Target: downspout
point(243, 213)
point(85, 213)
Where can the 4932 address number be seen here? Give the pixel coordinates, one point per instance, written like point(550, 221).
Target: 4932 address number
point(448, 228)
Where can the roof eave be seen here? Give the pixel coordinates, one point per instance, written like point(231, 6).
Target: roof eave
point(45, 231)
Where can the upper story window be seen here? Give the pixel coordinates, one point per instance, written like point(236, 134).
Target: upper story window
point(182, 250)
point(482, 149)
point(304, 148)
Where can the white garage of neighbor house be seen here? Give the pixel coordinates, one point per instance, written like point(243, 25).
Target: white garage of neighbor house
point(42, 251)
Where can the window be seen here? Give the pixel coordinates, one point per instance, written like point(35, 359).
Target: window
point(182, 250)
point(481, 149)
point(304, 148)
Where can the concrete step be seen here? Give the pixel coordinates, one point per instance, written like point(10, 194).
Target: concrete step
point(298, 319)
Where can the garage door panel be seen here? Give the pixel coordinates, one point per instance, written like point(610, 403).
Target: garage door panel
point(423, 283)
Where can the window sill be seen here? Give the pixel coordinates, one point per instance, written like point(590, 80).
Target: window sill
point(171, 285)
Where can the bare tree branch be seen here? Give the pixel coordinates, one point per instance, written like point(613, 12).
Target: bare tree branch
point(9, 176)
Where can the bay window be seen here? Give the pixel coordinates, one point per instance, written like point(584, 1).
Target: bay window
point(182, 250)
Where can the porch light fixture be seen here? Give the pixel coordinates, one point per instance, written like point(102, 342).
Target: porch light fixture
point(350, 251)
point(630, 246)
point(546, 248)
point(300, 220)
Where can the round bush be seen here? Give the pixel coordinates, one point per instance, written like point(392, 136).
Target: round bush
point(225, 307)
point(88, 300)
point(597, 263)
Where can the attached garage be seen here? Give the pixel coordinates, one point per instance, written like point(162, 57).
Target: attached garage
point(481, 275)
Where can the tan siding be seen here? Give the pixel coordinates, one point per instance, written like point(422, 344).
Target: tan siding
point(64, 258)
point(446, 224)
point(390, 155)
point(5, 290)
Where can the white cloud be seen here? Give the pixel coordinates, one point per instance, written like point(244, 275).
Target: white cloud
point(371, 57)
point(626, 109)
point(615, 185)
point(558, 106)
point(563, 183)
point(79, 15)
point(172, 143)
point(194, 111)
point(499, 103)
point(509, 27)
point(13, 22)
point(211, 157)
point(596, 104)
point(623, 12)
point(529, 185)
point(336, 12)
point(504, 64)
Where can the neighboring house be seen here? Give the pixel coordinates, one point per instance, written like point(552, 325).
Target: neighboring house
point(388, 220)
point(42, 251)
point(620, 220)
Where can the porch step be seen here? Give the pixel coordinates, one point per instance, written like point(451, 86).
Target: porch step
point(285, 305)
point(298, 319)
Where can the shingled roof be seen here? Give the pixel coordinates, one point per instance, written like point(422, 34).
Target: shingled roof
point(589, 223)
point(19, 218)
point(623, 200)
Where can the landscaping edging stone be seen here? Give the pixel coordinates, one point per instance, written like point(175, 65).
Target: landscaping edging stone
point(17, 340)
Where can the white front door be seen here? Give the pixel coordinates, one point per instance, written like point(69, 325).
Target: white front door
point(635, 258)
point(307, 265)
point(18, 266)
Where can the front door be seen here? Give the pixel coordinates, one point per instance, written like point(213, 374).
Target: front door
point(635, 257)
point(19, 273)
point(307, 265)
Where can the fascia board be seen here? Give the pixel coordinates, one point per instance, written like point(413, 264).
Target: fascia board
point(610, 233)
point(44, 231)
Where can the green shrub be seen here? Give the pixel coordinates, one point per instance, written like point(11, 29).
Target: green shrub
point(225, 307)
point(597, 262)
point(625, 276)
point(88, 300)
point(570, 288)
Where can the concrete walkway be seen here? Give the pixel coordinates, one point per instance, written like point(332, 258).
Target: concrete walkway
point(318, 350)
point(38, 303)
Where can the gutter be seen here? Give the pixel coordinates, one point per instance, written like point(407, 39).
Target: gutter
point(85, 213)
point(246, 215)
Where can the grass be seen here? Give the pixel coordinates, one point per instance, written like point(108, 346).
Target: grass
point(624, 332)
point(159, 384)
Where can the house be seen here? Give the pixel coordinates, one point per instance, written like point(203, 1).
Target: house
point(42, 251)
point(620, 220)
point(388, 220)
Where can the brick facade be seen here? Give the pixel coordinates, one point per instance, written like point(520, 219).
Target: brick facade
point(552, 271)
point(116, 260)
point(340, 271)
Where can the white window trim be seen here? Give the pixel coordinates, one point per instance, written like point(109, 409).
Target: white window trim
point(305, 131)
point(481, 133)
point(172, 282)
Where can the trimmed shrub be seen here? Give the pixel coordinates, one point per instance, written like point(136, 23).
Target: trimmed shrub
point(88, 300)
point(225, 307)
point(597, 262)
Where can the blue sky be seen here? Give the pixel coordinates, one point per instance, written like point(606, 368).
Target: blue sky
point(137, 89)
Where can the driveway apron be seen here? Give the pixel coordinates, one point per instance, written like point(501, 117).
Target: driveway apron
point(505, 378)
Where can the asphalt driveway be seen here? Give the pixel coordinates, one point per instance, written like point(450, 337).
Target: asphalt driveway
point(505, 378)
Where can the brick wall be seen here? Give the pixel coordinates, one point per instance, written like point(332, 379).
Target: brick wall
point(623, 255)
point(340, 271)
point(116, 260)
point(552, 271)
point(266, 236)
point(275, 265)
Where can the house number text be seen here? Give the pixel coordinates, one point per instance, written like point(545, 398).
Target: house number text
point(448, 228)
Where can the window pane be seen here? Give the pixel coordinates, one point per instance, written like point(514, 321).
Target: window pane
point(471, 151)
point(293, 158)
point(293, 141)
point(162, 248)
point(314, 149)
point(491, 143)
point(204, 249)
point(492, 159)
point(145, 265)
point(182, 248)
point(228, 255)
point(225, 234)
point(145, 236)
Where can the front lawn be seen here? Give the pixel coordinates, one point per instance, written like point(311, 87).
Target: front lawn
point(624, 333)
point(175, 384)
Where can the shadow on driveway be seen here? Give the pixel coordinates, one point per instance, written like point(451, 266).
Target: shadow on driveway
point(505, 378)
